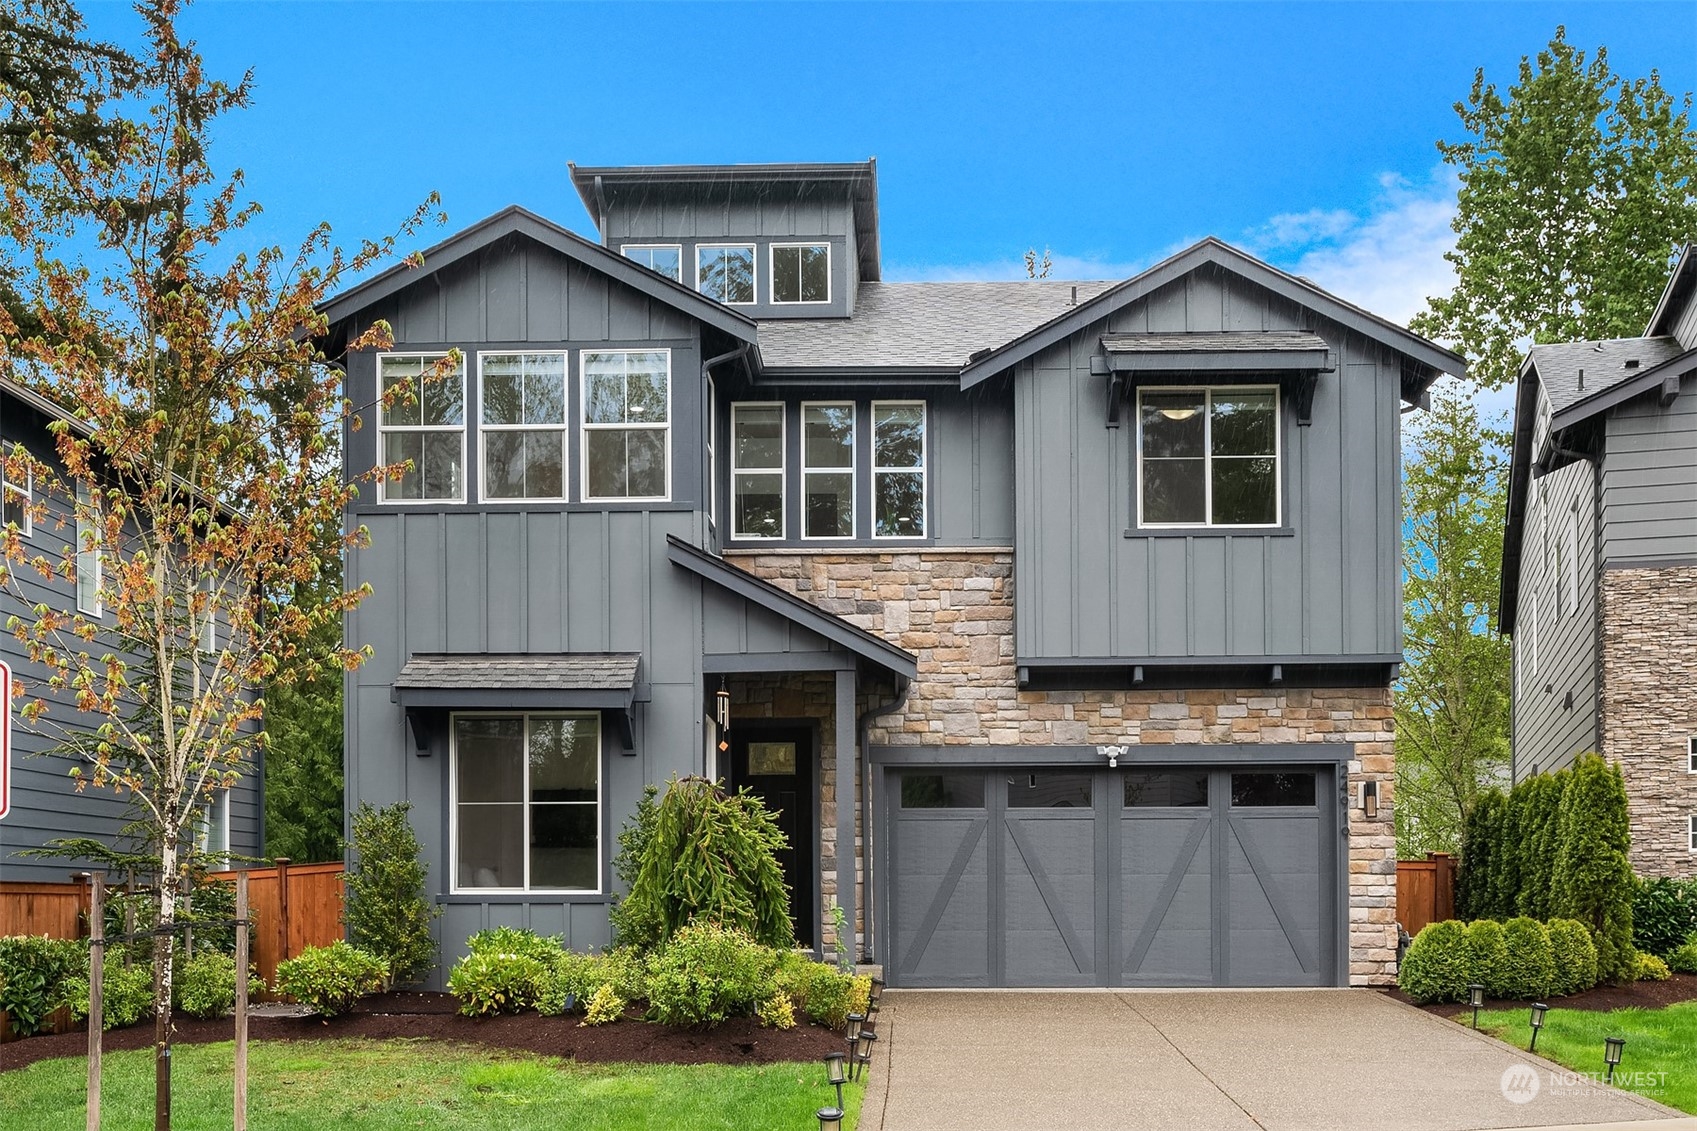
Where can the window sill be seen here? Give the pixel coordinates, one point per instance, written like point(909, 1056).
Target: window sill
point(508, 896)
point(1210, 532)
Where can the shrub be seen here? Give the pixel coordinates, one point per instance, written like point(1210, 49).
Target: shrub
point(636, 923)
point(1684, 958)
point(1664, 914)
point(513, 940)
point(568, 981)
point(329, 979)
point(126, 995)
point(1529, 969)
point(1480, 836)
point(711, 856)
point(605, 1007)
point(206, 985)
point(1508, 854)
point(1436, 965)
point(776, 1012)
point(1487, 955)
point(1593, 879)
point(34, 970)
point(489, 982)
point(1575, 957)
point(1540, 829)
point(387, 912)
point(1651, 968)
point(707, 973)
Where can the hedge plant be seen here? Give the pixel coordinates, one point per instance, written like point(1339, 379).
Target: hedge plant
point(1487, 956)
point(1574, 955)
point(1437, 965)
point(1529, 969)
point(329, 979)
point(388, 914)
point(126, 995)
point(491, 982)
point(1593, 876)
point(1481, 833)
point(1664, 914)
point(1683, 960)
point(707, 973)
point(206, 985)
point(1651, 968)
point(34, 970)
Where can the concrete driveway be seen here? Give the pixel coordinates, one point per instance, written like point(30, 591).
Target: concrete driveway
point(1270, 1059)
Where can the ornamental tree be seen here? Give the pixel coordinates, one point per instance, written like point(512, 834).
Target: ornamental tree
point(198, 495)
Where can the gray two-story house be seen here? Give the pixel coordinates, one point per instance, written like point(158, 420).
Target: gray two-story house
point(1599, 583)
point(1057, 620)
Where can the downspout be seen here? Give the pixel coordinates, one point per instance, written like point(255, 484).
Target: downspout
point(706, 374)
point(862, 726)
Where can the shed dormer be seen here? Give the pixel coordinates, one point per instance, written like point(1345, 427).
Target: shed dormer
point(771, 241)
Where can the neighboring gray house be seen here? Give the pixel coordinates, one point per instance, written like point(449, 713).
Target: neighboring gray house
point(45, 804)
point(1057, 620)
point(1600, 567)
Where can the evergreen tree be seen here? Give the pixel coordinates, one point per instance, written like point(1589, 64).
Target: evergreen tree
point(1542, 840)
point(1473, 895)
point(1593, 875)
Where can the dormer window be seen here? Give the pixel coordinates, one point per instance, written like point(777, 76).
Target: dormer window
point(1208, 457)
point(662, 258)
point(725, 272)
point(801, 273)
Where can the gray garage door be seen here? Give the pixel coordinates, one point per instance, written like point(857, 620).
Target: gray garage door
point(1132, 877)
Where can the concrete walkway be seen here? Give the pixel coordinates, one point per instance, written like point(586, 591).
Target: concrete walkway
point(1235, 1060)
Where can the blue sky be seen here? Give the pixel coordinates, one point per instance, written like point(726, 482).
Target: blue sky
point(1113, 134)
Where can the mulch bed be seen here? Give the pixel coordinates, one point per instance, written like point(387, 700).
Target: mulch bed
point(1601, 999)
point(739, 1040)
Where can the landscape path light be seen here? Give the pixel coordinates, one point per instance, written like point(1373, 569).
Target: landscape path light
point(1538, 1011)
point(1476, 998)
point(830, 1118)
point(1612, 1048)
point(863, 1051)
point(836, 1073)
point(855, 1020)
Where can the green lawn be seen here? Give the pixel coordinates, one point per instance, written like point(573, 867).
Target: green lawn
point(1659, 1060)
point(343, 1085)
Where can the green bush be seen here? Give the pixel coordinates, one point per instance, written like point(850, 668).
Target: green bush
point(206, 985)
point(1508, 854)
point(1651, 968)
point(1593, 878)
point(126, 995)
point(1540, 828)
point(826, 994)
point(636, 923)
point(605, 1007)
point(776, 1012)
point(1684, 958)
point(1436, 965)
point(34, 970)
point(568, 982)
point(1530, 967)
point(1664, 914)
point(388, 914)
point(1482, 832)
point(1575, 957)
point(707, 973)
point(708, 855)
point(491, 981)
point(1487, 955)
point(513, 940)
point(329, 979)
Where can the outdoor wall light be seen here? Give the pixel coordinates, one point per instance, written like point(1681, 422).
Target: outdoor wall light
point(1538, 1011)
point(830, 1118)
point(1370, 799)
point(1612, 1048)
point(855, 1020)
point(1475, 998)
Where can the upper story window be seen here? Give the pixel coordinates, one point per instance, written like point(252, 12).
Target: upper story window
point(88, 554)
point(1208, 457)
point(725, 272)
point(424, 427)
point(662, 258)
point(898, 469)
point(757, 471)
point(523, 425)
point(208, 633)
point(627, 399)
point(15, 495)
point(213, 834)
point(1691, 754)
point(801, 273)
point(827, 470)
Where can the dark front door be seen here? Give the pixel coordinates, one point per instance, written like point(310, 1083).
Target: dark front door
point(776, 765)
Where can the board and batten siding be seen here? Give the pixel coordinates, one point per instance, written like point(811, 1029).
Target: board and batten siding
point(1087, 588)
point(1649, 505)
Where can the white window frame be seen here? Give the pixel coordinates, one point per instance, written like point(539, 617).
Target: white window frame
point(454, 887)
point(203, 834)
point(384, 429)
point(587, 427)
point(1691, 754)
point(89, 559)
point(564, 428)
point(26, 495)
point(1208, 392)
point(924, 469)
point(852, 470)
point(1532, 636)
point(772, 274)
point(208, 642)
point(625, 249)
point(753, 266)
point(781, 471)
point(1691, 832)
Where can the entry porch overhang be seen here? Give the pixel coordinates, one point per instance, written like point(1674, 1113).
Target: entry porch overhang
point(431, 684)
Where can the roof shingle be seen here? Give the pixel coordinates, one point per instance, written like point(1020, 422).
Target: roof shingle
point(552, 671)
point(1572, 371)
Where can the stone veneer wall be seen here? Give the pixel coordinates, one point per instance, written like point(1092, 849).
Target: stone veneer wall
point(1649, 708)
point(954, 610)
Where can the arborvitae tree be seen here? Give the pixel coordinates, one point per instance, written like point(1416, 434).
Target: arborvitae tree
point(1593, 875)
point(1509, 866)
point(1542, 840)
point(1473, 895)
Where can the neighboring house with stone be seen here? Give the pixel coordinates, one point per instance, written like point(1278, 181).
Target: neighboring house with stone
point(1057, 620)
point(1599, 586)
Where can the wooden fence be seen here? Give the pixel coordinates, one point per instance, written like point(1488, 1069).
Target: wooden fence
point(1425, 891)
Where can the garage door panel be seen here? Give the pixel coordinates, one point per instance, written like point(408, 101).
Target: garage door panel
point(1166, 902)
point(941, 905)
point(1274, 907)
point(1049, 899)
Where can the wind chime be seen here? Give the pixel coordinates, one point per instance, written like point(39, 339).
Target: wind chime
point(722, 713)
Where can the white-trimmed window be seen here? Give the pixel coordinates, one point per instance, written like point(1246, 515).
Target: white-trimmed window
point(213, 833)
point(1691, 754)
point(208, 641)
point(526, 802)
point(801, 273)
point(523, 424)
point(757, 470)
point(827, 470)
point(726, 272)
point(662, 258)
point(1692, 831)
point(88, 554)
point(627, 399)
point(16, 493)
point(424, 427)
point(1558, 579)
point(1208, 457)
point(898, 469)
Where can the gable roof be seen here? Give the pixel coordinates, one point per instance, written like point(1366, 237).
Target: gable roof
point(852, 637)
point(1428, 359)
point(516, 220)
point(920, 325)
point(1676, 294)
point(858, 178)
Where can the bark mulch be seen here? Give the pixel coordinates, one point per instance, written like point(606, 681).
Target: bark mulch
point(429, 1016)
point(1600, 999)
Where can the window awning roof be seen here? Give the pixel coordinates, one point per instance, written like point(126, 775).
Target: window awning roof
point(1215, 351)
point(597, 681)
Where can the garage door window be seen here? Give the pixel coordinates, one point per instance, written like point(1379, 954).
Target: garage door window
point(1049, 791)
point(1176, 789)
point(1251, 790)
point(943, 791)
